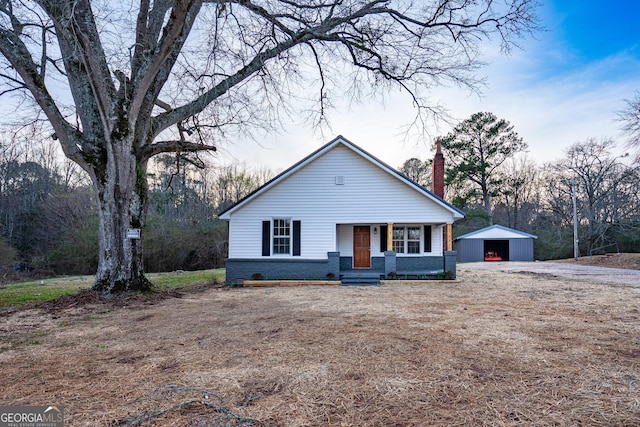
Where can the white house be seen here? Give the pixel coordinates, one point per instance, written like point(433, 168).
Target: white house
point(338, 212)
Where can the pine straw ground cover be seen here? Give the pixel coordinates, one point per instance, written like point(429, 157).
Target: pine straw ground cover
point(494, 349)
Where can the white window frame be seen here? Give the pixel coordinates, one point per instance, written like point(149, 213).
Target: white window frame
point(405, 240)
point(394, 246)
point(409, 240)
point(288, 237)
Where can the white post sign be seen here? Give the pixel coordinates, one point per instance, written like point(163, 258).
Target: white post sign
point(133, 233)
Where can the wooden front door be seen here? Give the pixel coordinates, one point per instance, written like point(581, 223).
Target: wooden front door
point(361, 247)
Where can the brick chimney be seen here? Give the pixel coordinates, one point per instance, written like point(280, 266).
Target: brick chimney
point(437, 180)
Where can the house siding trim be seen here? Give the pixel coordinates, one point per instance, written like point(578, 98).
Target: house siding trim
point(504, 233)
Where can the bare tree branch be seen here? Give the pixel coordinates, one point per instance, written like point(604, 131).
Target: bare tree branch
point(630, 117)
point(152, 75)
point(173, 147)
point(12, 48)
point(84, 59)
point(370, 44)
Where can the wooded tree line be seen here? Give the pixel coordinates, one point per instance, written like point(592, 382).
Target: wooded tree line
point(48, 217)
point(490, 177)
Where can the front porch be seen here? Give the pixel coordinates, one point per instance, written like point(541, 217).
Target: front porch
point(391, 266)
point(336, 267)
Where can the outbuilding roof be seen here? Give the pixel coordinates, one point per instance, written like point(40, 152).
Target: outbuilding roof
point(497, 232)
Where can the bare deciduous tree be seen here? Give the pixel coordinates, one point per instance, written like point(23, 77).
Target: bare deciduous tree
point(520, 193)
point(605, 188)
point(122, 83)
point(417, 170)
point(234, 182)
point(630, 118)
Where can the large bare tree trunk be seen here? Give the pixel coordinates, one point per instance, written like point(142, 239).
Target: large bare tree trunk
point(121, 191)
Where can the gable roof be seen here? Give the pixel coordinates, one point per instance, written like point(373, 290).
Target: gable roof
point(340, 140)
point(497, 232)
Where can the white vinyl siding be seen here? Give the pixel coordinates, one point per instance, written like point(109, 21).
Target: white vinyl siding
point(368, 195)
point(345, 240)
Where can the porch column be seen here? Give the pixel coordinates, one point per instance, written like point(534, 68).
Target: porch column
point(450, 264)
point(389, 237)
point(333, 265)
point(449, 238)
point(390, 265)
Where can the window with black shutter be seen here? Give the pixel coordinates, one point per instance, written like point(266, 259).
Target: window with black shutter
point(266, 238)
point(427, 238)
point(383, 238)
point(296, 238)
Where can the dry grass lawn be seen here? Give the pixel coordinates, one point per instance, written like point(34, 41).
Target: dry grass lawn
point(495, 349)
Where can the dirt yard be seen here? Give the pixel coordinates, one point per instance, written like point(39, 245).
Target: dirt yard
point(494, 349)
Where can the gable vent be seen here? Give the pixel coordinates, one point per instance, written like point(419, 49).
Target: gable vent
point(339, 180)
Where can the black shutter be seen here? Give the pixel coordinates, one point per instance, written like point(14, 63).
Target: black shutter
point(266, 238)
point(296, 238)
point(427, 238)
point(383, 238)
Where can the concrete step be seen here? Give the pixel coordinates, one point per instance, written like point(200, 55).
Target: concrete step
point(360, 279)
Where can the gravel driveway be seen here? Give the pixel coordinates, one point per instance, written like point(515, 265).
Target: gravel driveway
point(617, 276)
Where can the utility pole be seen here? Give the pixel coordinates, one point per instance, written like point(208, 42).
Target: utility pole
point(576, 248)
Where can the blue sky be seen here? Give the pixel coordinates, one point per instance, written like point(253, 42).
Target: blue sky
point(593, 29)
point(564, 86)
